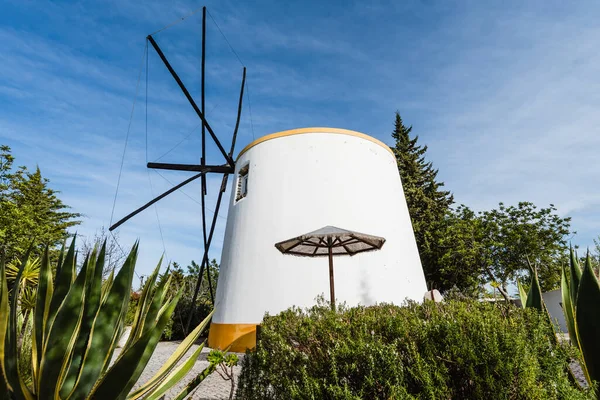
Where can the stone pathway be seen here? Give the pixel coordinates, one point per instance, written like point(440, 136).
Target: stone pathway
point(213, 387)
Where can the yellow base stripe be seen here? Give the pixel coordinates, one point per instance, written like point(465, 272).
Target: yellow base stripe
point(314, 130)
point(239, 336)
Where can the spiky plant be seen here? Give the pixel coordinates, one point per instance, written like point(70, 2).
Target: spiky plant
point(581, 306)
point(77, 322)
point(580, 291)
point(29, 276)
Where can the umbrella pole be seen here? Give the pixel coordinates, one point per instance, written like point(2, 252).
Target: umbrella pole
point(331, 284)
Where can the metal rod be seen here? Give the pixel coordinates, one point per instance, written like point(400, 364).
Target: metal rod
point(191, 167)
point(205, 257)
point(203, 158)
point(202, 80)
point(331, 283)
point(193, 308)
point(142, 208)
point(190, 99)
point(239, 113)
point(210, 289)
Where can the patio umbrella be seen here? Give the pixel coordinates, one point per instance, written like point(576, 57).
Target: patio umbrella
point(330, 241)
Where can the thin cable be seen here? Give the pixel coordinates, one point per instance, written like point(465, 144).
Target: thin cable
point(157, 217)
point(137, 87)
point(250, 108)
point(180, 142)
point(225, 37)
point(187, 195)
point(185, 138)
point(122, 251)
point(175, 22)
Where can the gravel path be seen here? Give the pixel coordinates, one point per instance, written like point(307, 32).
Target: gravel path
point(575, 367)
point(213, 387)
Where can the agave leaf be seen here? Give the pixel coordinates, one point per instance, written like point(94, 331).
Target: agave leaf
point(4, 395)
point(142, 307)
point(91, 307)
point(175, 376)
point(4, 313)
point(57, 351)
point(535, 300)
point(588, 321)
point(123, 374)
point(534, 297)
point(575, 272)
point(155, 309)
point(568, 308)
point(13, 378)
point(61, 257)
point(106, 285)
point(177, 355)
point(62, 284)
point(40, 316)
point(106, 328)
point(190, 387)
point(522, 294)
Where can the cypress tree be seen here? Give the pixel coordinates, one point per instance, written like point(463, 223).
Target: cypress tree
point(427, 202)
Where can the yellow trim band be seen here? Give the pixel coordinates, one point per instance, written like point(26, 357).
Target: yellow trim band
point(314, 130)
point(239, 336)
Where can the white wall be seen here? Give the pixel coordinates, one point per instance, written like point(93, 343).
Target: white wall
point(301, 183)
point(553, 300)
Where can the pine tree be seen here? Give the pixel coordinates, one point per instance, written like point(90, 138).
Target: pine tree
point(427, 202)
point(29, 210)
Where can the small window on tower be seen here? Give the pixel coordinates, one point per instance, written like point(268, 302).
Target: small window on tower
point(242, 183)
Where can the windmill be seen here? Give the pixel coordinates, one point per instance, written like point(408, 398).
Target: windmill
point(201, 169)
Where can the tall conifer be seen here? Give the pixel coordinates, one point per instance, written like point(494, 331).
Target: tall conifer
point(427, 202)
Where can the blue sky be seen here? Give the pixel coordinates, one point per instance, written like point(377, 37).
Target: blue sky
point(505, 96)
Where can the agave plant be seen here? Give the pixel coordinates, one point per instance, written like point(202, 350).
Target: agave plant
point(77, 323)
point(581, 306)
point(533, 298)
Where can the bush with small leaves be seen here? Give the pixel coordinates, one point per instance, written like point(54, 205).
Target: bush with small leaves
point(462, 349)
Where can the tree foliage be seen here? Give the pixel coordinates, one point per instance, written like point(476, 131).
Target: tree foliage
point(427, 202)
point(29, 210)
point(517, 237)
point(186, 279)
point(464, 249)
point(500, 245)
point(461, 252)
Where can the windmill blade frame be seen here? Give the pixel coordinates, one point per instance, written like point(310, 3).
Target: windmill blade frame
point(202, 168)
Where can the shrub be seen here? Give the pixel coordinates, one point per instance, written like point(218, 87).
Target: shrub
point(458, 350)
point(176, 328)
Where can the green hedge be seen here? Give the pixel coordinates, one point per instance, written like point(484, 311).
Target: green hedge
point(457, 350)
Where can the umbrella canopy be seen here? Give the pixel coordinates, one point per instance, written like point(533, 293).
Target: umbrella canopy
point(340, 241)
point(330, 241)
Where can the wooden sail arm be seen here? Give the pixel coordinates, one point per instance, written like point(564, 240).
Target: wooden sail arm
point(190, 99)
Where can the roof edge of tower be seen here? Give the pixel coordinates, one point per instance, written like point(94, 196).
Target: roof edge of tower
point(301, 131)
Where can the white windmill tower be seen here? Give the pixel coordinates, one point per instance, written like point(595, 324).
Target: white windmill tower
point(296, 181)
